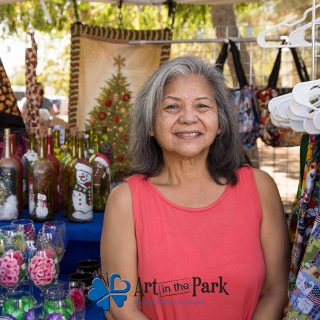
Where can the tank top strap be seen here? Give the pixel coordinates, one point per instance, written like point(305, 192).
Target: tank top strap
point(140, 195)
point(247, 186)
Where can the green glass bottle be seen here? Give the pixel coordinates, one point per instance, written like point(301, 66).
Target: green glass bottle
point(101, 176)
point(65, 147)
point(28, 160)
point(65, 180)
point(43, 189)
point(59, 154)
point(89, 146)
point(80, 206)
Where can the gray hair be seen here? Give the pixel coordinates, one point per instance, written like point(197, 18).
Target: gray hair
point(225, 154)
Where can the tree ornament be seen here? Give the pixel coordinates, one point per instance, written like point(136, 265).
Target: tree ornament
point(120, 129)
point(115, 97)
point(100, 98)
point(121, 82)
point(102, 115)
point(126, 97)
point(125, 137)
point(93, 119)
point(108, 103)
point(120, 158)
point(116, 119)
point(122, 110)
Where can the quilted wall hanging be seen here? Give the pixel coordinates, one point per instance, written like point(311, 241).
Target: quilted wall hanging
point(106, 73)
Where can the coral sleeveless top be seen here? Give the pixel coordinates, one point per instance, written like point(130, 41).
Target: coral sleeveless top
point(199, 263)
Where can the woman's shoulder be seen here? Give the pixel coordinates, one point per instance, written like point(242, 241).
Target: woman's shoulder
point(263, 179)
point(135, 177)
point(122, 191)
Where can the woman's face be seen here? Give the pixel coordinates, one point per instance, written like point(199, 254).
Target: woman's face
point(187, 121)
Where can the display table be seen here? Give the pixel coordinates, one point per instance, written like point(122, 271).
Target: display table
point(83, 243)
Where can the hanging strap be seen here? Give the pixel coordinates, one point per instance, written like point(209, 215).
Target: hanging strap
point(299, 63)
point(222, 58)
point(241, 77)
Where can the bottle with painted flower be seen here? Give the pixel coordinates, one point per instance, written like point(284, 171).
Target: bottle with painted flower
point(43, 191)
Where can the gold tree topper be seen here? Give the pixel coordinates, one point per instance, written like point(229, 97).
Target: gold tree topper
point(119, 61)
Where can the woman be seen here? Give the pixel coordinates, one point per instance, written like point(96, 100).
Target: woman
point(197, 232)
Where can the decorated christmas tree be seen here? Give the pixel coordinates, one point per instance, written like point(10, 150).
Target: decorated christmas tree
point(111, 115)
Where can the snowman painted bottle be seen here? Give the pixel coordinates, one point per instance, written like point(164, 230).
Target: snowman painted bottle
point(10, 185)
point(43, 191)
point(81, 193)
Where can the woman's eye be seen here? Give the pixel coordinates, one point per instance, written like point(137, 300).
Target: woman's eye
point(172, 108)
point(203, 106)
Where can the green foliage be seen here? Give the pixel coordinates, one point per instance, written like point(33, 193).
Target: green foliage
point(30, 15)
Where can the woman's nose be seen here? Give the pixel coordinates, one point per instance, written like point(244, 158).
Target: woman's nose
point(188, 115)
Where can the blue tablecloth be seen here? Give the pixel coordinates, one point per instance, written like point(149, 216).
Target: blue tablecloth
point(83, 243)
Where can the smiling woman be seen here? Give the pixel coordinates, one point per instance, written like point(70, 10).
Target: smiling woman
point(198, 231)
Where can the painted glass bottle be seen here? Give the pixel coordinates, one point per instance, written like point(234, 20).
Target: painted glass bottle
point(42, 191)
point(80, 202)
point(10, 185)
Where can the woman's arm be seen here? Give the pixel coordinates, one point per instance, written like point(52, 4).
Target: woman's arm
point(118, 251)
point(275, 246)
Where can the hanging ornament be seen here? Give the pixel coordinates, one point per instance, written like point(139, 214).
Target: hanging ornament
point(121, 82)
point(123, 110)
point(126, 97)
point(102, 115)
point(125, 137)
point(116, 119)
point(108, 103)
point(105, 137)
point(120, 129)
point(100, 98)
point(120, 158)
point(115, 97)
point(93, 119)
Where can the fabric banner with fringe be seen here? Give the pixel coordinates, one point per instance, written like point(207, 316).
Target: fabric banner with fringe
point(93, 51)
